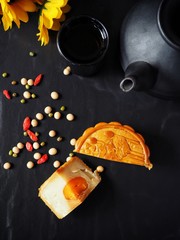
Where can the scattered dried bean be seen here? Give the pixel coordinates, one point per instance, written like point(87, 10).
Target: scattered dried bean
point(99, 169)
point(57, 115)
point(20, 145)
point(7, 165)
point(48, 109)
point(36, 145)
point(23, 81)
point(52, 133)
point(54, 95)
point(70, 117)
point(52, 151)
point(67, 71)
point(39, 116)
point(30, 82)
point(73, 141)
point(56, 164)
point(37, 156)
point(32, 54)
point(23, 101)
point(5, 74)
point(15, 150)
point(30, 164)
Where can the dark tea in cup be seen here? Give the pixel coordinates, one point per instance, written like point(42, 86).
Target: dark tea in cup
point(83, 41)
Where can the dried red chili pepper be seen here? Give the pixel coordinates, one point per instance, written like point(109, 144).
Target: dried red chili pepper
point(29, 146)
point(43, 159)
point(32, 135)
point(26, 123)
point(38, 79)
point(7, 94)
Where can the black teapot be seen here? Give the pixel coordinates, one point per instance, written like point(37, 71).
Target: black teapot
point(150, 48)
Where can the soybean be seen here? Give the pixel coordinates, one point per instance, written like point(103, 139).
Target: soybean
point(30, 164)
point(56, 164)
point(52, 151)
point(70, 117)
point(7, 165)
point(54, 95)
point(39, 116)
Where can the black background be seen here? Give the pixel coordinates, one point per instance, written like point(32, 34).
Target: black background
point(131, 202)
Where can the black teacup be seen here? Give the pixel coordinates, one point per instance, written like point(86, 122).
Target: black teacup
point(82, 42)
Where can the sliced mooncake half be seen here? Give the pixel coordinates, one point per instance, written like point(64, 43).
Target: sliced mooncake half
point(68, 187)
point(116, 142)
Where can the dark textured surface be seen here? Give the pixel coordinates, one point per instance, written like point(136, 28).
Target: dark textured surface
point(131, 202)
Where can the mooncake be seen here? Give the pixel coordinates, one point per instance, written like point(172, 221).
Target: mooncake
point(68, 187)
point(116, 142)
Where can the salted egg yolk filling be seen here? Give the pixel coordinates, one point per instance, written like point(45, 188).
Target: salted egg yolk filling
point(75, 188)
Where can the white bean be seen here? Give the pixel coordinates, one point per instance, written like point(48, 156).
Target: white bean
point(34, 123)
point(39, 116)
point(30, 164)
point(37, 156)
point(30, 82)
point(15, 150)
point(20, 145)
point(52, 151)
point(23, 81)
point(100, 169)
point(36, 145)
point(73, 141)
point(57, 115)
point(56, 164)
point(48, 109)
point(70, 117)
point(27, 95)
point(54, 95)
point(52, 133)
point(67, 71)
point(68, 158)
point(7, 165)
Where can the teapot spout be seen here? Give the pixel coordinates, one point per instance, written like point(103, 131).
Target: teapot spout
point(128, 84)
point(139, 76)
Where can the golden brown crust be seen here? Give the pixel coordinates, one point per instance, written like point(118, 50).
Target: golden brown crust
point(114, 141)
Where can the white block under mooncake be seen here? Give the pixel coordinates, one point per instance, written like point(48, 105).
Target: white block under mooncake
point(68, 187)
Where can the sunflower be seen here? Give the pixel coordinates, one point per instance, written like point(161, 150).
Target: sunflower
point(16, 11)
point(51, 14)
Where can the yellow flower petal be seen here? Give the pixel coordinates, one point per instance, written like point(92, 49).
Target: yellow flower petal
point(66, 8)
point(27, 5)
point(58, 3)
point(62, 18)
point(50, 17)
point(15, 12)
point(52, 12)
point(56, 25)
point(43, 32)
point(20, 14)
point(48, 22)
point(7, 23)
